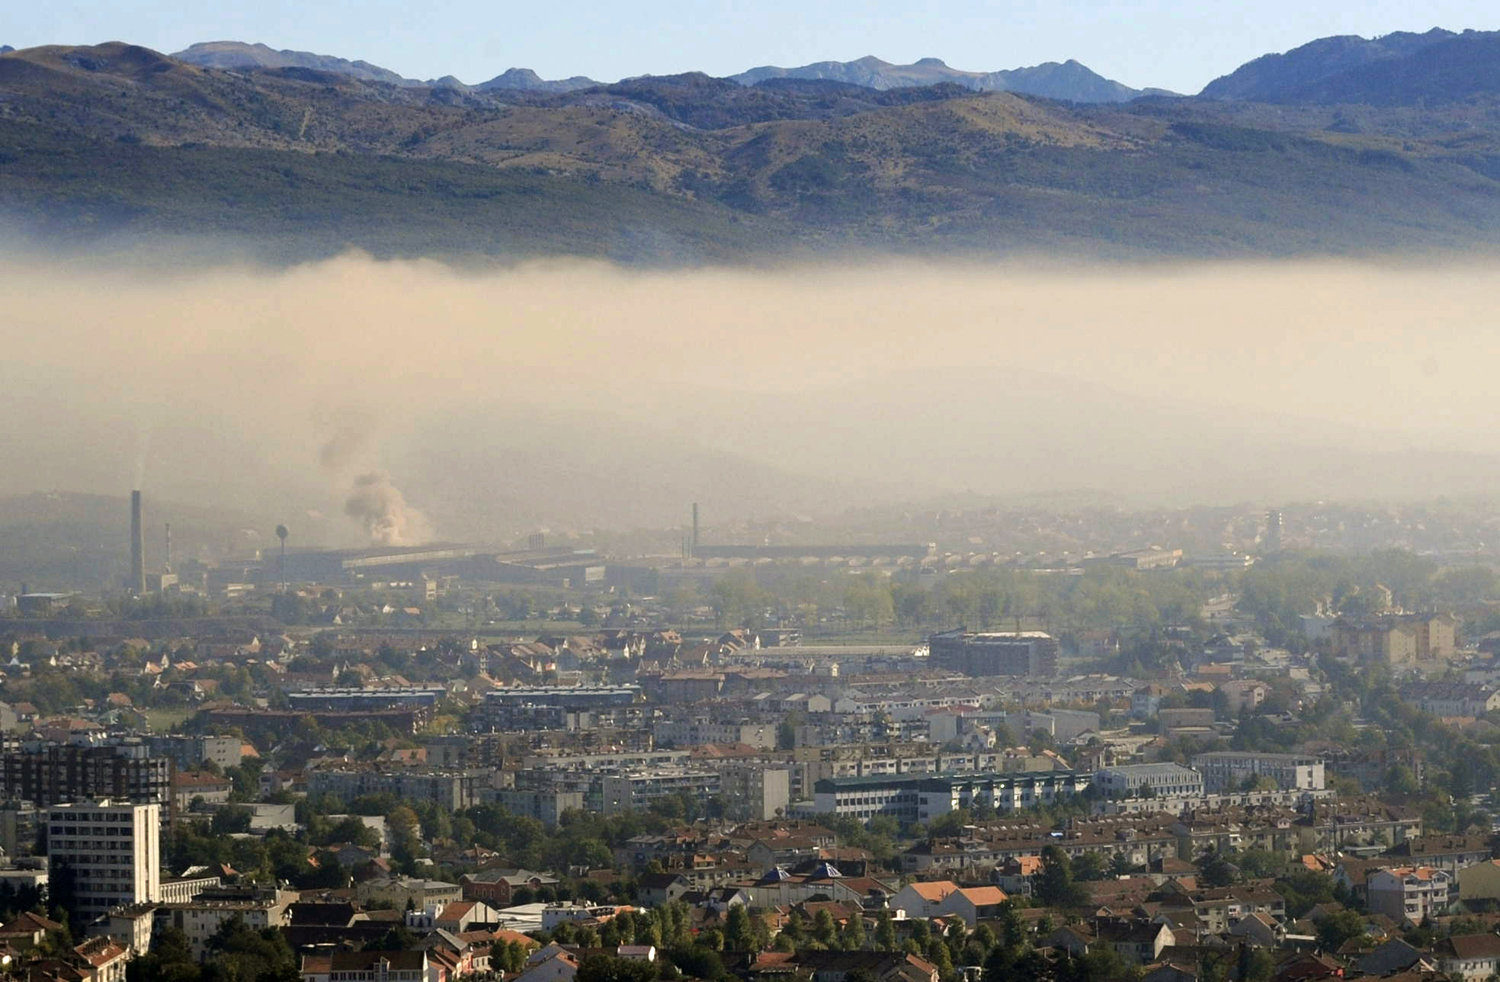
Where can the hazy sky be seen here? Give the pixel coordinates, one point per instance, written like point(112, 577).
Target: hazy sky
point(1176, 44)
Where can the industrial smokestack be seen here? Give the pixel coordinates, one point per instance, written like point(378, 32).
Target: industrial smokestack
point(137, 582)
point(694, 546)
point(166, 559)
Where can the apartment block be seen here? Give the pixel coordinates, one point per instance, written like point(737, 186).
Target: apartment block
point(109, 850)
point(1228, 770)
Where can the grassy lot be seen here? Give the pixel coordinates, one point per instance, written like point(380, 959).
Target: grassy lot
point(166, 720)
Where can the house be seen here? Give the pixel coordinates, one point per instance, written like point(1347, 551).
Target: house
point(1138, 943)
point(1244, 694)
point(1016, 874)
point(26, 930)
point(455, 918)
point(366, 966)
point(549, 964)
point(1261, 930)
point(1172, 972)
point(1393, 956)
point(1480, 881)
point(658, 889)
point(972, 904)
point(1469, 956)
point(105, 958)
point(923, 899)
point(884, 966)
point(1075, 939)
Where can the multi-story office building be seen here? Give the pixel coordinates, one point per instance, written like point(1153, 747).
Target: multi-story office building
point(108, 852)
point(1227, 770)
point(1015, 653)
point(50, 774)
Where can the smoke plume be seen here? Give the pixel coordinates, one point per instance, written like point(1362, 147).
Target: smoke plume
point(382, 509)
point(373, 500)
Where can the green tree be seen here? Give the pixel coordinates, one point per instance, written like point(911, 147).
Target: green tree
point(1089, 866)
point(1339, 927)
point(853, 936)
point(824, 929)
point(607, 968)
point(885, 932)
point(1214, 870)
point(738, 934)
point(1054, 886)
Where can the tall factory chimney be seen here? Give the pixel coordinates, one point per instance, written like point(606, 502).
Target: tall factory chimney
point(166, 559)
point(137, 582)
point(694, 545)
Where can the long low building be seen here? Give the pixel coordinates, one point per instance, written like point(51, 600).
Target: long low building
point(356, 699)
point(1227, 770)
point(1162, 780)
point(910, 799)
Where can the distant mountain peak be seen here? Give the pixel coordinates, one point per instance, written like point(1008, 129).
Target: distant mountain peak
point(526, 79)
point(932, 63)
point(5, 49)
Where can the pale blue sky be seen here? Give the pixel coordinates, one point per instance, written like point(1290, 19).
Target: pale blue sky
point(1175, 44)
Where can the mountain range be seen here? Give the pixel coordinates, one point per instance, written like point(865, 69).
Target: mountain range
point(1342, 145)
point(1070, 80)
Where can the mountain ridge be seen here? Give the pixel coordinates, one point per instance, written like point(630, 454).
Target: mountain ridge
point(1389, 69)
point(1069, 80)
point(252, 56)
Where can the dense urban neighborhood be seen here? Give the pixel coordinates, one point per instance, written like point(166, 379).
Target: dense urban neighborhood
point(836, 764)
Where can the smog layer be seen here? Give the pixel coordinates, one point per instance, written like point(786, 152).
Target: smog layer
point(394, 401)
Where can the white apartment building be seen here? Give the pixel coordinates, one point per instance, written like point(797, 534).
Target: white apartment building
point(110, 850)
point(1408, 893)
point(1227, 770)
